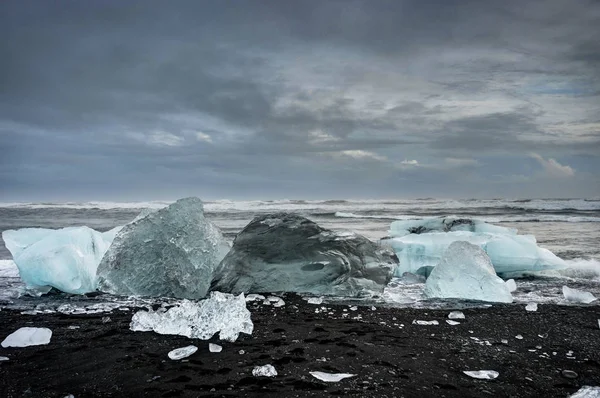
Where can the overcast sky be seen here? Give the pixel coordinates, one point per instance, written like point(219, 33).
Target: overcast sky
point(142, 100)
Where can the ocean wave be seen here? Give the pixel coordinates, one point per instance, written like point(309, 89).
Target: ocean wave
point(505, 219)
point(8, 269)
point(581, 268)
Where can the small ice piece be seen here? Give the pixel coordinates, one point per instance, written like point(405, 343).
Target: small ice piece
point(425, 323)
point(587, 392)
point(512, 285)
point(241, 352)
point(214, 347)
point(264, 371)
point(183, 352)
point(481, 374)
point(519, 337)
point(276, 301)
point(331, 377)
point(451, 322)
point(466, 272)
point(315, 300)
point(106, 319)
point(456, 315)
point(221, 312)
point(255, 297)
point(27, 336)
point(73, 327)
point(598, 323)
point(2, 359)
point(532, 307)
point(353, 308)
point(578, 296)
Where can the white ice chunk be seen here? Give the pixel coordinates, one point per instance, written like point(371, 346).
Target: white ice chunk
point(531, 307)
point(315, 300)
point(66, 259)
point(465, 272)
point(255, 297)
point(331, 377)
point(28, 336)
point(578, 296)
point(481, 374)
point(183, 352)
point(214, 347)
point(456, 315)
point(264, 371)
point(519, 337)
point(276, 301)
point(2, 359)
point(221, 312)
point(425, 323)
point(512, 285)
point(451, 322)
point(587, 392)
point(421, 243)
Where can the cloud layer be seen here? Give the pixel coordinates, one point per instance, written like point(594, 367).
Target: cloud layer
point(271, 99)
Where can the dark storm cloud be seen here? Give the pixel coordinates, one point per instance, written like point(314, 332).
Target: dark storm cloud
point(119, 99)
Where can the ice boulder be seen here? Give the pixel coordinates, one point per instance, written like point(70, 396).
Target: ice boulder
point(221, 312)
point(465, 272)
point(289, 253)
point(421, 243)
point(65, 259)
point(578, 296)
point(170, 252)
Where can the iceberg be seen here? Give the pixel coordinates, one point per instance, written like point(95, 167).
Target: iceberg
point(27, 336)
point(171, 252)
point(465, 272)
point(421, 243)
point(66, 259)
point(221, 312)
point(285, 252)
point(578, 296)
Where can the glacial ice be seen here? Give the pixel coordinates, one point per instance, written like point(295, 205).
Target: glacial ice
point(587, 392)
point(511, 284)
point(482, 374)
point(2, 359)
point(456, 315)
point(287, 252)
point(425, 323)
point(183, 352)
point(65, 259)
point(421, 243)
point(531, 307)
point(220, 312)
point(264, 371)
point(451, 322)
point(170, 253)
point(214, 347)
point(331, 377)
point(27, 336)
point(465, 272)
point(578, 296)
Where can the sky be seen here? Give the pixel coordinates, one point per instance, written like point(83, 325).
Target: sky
point(156, 100)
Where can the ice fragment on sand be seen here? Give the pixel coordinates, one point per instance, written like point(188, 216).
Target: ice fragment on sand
point(425, 323)
point(66, 259)
point(2, 359)
point(264, 371)
point(183, 352)
point(169, 253)
point(456, 315)
point(255, 297)
point(531, 307)
point(276, 301)
point(512, 285)
point(481, 374)
point(465, 272)
point(451, 322)
point(587, 392)
point(28, 336)
point(519, 337)
point(315, 300)
point(221, 312)
point(214, 347)
point(331, 377)
point(285, 252)
point(577, 296)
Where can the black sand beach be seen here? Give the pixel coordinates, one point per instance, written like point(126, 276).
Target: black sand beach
point(106, 359)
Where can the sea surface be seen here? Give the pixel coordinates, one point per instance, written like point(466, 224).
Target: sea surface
point(570, 228)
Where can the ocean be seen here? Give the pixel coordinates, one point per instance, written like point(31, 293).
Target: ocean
point(570, 228)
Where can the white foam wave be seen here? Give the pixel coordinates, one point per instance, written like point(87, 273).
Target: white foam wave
point(580, 268)
point(8, 269)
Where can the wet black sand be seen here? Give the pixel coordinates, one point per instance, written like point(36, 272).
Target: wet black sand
point(108, 360)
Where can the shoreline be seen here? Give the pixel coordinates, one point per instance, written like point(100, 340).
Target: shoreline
point(106, 359)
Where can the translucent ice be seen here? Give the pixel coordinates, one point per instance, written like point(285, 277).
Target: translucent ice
point(421, 243)
point(587, 392)
point(27, 336)
point(65, 259)
point(171, 252)
point(465, 272)
point(511, 284)
point(532, 307)
point(481, 374)
point(456, 315)
point(451, 322)
point(289, 253)
point(183, 352)
point(331, 377)
point(214, 347)
point(264, 371)
point(315, 300)
point(578, 296)
point(425, 323)
point(220, 312)
point(2, 359)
